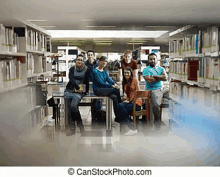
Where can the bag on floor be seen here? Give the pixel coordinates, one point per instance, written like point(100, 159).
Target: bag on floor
point(100, 116)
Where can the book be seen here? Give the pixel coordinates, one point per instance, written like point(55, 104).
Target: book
point(2, 38)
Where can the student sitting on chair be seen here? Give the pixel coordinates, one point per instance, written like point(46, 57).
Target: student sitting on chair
point(103, 85)
point(78, 75)
point(125, 108)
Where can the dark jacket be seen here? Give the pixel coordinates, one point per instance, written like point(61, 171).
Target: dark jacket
point(72, 84)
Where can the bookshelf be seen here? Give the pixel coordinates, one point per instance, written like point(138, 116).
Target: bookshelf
point(23, 53)
point(195, 56)
point(69, 54)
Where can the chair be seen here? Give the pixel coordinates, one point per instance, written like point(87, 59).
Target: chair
point(145, 95)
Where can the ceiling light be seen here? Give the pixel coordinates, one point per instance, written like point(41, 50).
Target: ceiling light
point(87, 20)
point(134, 43)
point(103, 43)
point(100, 26)
point(137, 41)
point(48, 26)
point(36, 20)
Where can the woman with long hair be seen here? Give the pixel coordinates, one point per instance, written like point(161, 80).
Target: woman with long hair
point(125, 108)
point(78, 76)
point(103, 85)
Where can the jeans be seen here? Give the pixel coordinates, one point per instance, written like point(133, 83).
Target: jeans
point(112, 93)
point(123, 112)
point(156, 99)
point(72, 101)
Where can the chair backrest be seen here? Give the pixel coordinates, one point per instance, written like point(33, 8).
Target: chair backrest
point(142, 94)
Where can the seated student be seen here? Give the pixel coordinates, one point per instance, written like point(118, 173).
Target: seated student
point(124, 109)
point(78, 74)
point(103, 85)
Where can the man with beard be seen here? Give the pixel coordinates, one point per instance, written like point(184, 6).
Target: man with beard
point(153, 76)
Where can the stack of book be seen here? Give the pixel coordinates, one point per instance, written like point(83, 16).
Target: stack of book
point(9, 40)
point(10, 72)
point(35, 41)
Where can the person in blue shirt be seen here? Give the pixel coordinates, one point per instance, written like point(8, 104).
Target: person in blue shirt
point(92, 63)
point(103, 85)
point(153, 76)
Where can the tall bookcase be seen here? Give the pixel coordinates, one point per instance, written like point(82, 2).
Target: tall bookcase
point(23, 52)
point(195, 60)
point(67, 61)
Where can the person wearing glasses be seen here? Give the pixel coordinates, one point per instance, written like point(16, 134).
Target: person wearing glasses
point(125, 108)
point(103, 85)
point(78, 77)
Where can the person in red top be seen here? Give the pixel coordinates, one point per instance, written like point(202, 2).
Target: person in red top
point(125, 108)
point(128, 61)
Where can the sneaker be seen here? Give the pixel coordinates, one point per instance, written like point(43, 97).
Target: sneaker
point(131, 132)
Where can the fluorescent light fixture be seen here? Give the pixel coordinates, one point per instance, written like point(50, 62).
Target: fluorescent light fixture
point(82, 34)
point(138, 41)
point(103, 43)
point(100, 26)
point(134, 43)
point(87, 20)
point(36, 20)
point(48, 26)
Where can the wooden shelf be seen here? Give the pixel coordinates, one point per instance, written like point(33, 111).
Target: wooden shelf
point(35, 52)
point(38, 74)
point(13, 54)
point(13, 87)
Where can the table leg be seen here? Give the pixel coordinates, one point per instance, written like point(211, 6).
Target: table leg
point(108, 114)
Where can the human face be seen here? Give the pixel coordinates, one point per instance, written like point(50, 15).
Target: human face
point(90, 56)
point(152, 60)
point(127, 74)
point(79, 61)
point(103, 64)
point(128, 57)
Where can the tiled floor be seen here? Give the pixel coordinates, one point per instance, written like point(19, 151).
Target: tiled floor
point(190, 139)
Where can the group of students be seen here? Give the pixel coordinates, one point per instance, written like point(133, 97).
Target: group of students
point(94, 70)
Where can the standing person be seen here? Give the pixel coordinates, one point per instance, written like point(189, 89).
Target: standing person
point(124, 109)
point(78, 75)
point(103, 85)
point(128, 61)
point(153, 75)
point(92, 63)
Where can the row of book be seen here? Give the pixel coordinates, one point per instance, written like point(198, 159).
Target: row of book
point(180, 67)
point(206, 67)
point(194, 93)
point(9, 39)
point(37, 64)
point(37, 41)
point(35, 117)
point(184, 91)
point(206, 41)
point(10, 72)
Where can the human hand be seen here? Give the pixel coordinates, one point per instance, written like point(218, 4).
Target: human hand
point(125, 97)
point(117, 87)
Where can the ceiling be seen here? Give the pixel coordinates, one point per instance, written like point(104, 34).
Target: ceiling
point(121, 15)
